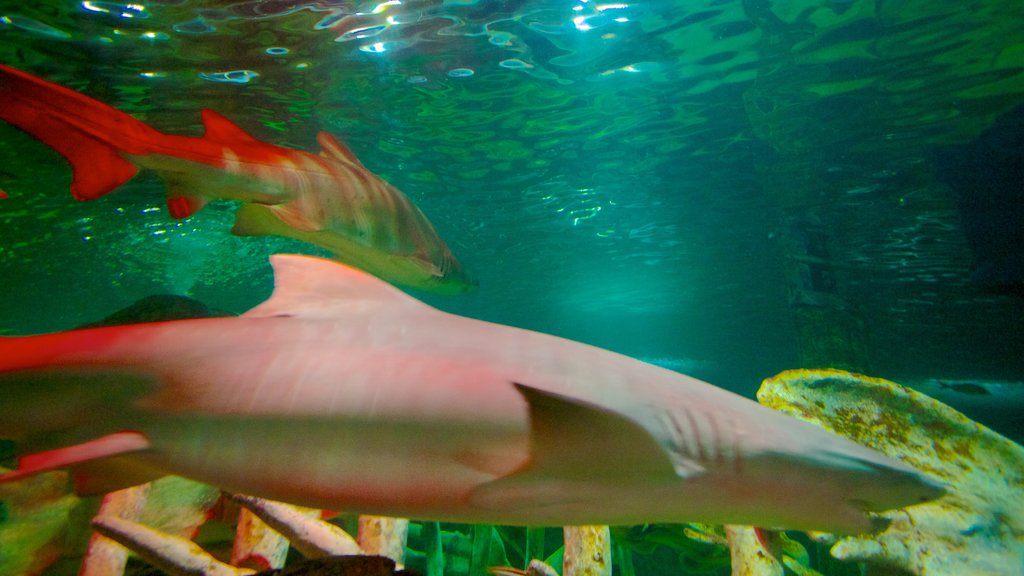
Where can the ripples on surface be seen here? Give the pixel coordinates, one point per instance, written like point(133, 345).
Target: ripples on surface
point(618, 173)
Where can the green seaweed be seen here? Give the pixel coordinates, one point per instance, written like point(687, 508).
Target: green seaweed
point(488, 550)
point(434, 549)
point(534, 545)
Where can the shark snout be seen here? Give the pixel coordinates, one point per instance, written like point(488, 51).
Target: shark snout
point(895, 486)
point(889, 497)
point(454, 279)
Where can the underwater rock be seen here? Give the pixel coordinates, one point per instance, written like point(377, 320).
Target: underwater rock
point(977, 528)
point(257, 545)
point(302, 527)
point(749, 556)
point(380, 535)
point(33, 517)
point(157, 308)
point(173, 554)
point(105, 556)
point(342, 566)
point(587, 551)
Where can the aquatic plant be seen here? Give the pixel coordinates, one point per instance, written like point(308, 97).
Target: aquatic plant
point(696, 548)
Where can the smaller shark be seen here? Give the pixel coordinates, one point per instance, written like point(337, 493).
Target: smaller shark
point(342, 392)
point(329, 199)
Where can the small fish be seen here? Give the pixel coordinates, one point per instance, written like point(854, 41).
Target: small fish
point(997, 404)
point(966, 388)
point(328, 199)
point(342, 392)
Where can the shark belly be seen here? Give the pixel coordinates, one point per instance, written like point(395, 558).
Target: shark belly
point(424, 469)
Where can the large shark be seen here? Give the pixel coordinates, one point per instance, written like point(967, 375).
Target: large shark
point(328, 199)
point(342, 392)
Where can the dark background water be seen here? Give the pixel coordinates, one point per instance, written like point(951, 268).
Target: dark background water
point(728, 188)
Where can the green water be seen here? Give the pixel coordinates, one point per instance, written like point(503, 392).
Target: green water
point(730, 188)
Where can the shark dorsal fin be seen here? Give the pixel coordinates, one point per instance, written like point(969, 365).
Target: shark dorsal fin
point(220, 129)
point(331, 147)
point(308, 286)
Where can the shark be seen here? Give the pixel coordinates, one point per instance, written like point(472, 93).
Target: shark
point(330, 199)
point(341, 391)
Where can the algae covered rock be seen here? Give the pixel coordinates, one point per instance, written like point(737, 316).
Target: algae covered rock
point(977, 528)
point(749, 557)
point(34, 513)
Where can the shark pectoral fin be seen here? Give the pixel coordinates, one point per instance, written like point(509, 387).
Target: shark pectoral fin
point(573, 438)
point(330, 147)
point(267, 220)
point(68, 456)
point(181, 201)
point(293, 215)
point(255, 220)
point(577, 447)
point(181, 207)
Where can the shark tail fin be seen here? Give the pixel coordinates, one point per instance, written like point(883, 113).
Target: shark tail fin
point(92, 136)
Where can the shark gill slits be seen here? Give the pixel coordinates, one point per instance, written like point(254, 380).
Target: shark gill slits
point(682, 442)
point(675, 435)
point(723, 447)
point(446, 267)
point(695, 434)
point(736, 438)
point(716, 448)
